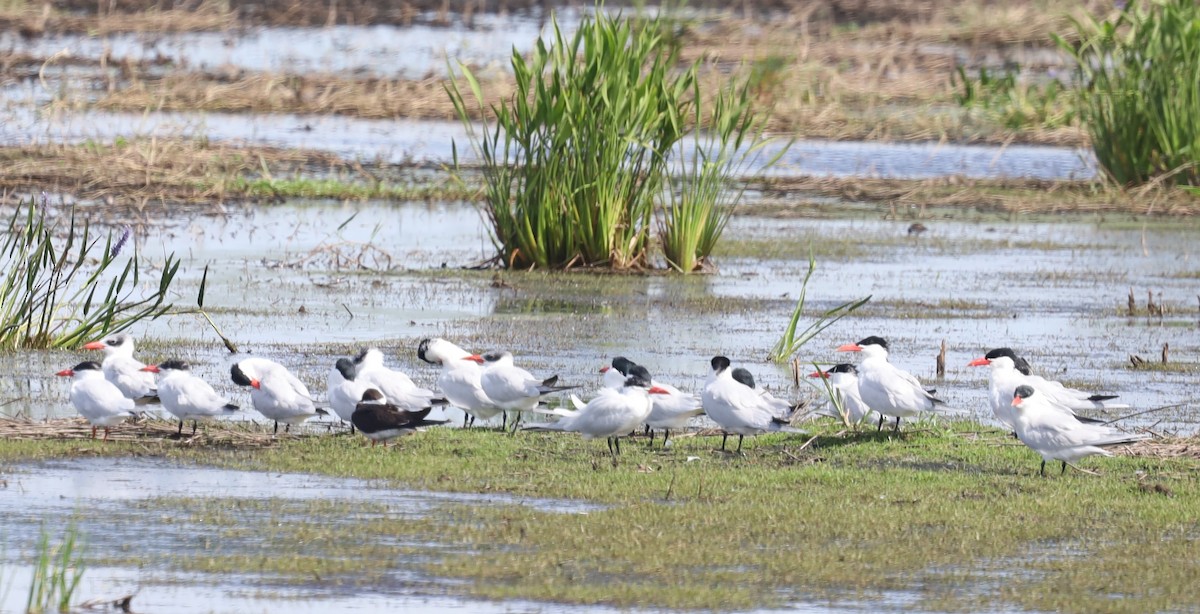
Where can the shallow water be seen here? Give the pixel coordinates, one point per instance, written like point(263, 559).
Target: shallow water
point(402, 141)
point(93, 493)
point(1055, 292)
point(382, 51)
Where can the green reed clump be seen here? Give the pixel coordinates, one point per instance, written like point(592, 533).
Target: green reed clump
point(1013, 102)
point(1138, 81)
point(56, 574)
point(577, 160)
point(60, 285)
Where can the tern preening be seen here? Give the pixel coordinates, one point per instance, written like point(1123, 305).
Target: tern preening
point(885, 388)
point(276, 393)
point(1057, 435)
point(343, 390)
point(846, 402)
point(670, 409)
point(737, 407)
point(123, 370)
point(460, 380)
point(396, 386)
point(97, 399)
point(510, 387)
point(186, 396)
point(612, 413)
point(1008, 371)
point(380, 420)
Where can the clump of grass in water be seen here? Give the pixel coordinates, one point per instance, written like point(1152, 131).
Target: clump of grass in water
point(575, 162)
point(56, 574)
point(1135, 82)
point(49, 298)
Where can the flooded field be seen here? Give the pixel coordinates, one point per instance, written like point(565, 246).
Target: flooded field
point(305, 282)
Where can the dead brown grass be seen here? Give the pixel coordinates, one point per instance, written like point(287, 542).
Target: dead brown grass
point(314, 94)
point(1167, 447)
point(215, 435)
point(785, 197)
point(146, 172)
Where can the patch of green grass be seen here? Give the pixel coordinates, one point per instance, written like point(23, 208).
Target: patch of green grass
point(952, 512)
point(338, 189)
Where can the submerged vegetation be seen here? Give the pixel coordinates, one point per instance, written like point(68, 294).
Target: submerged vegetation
point(60, 292)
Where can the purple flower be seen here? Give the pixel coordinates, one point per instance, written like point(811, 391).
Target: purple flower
point(125, 234)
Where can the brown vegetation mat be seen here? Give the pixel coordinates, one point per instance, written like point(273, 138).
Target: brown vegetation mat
point(786, 197)
point(216, 434)
point(1167, 447)
point(148, 171)
point(846, 69)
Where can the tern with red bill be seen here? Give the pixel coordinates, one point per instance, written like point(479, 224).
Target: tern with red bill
point(379, 420)
point(460, 380)
point(737, 407)
point(671, 409)
point(510, 387)
point(612, 413)
point(98, 400)
point(123, 370)
point(276, 393)
point(186, 396)
point(885, 388)
point(1008, 371)
point(1058, 436)
point(844, 394)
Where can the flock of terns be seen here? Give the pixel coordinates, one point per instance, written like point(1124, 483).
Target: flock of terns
point(384, 403)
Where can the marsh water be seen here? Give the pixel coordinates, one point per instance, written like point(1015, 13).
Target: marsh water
point(306, 282)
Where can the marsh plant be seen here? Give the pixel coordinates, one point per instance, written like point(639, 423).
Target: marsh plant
point(793, 338)
point(576, 162)
point(56, 574)
point(62, 285)
point(1137, 78)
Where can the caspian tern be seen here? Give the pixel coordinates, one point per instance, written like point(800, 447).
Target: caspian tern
point(459, 380)
point(776, 405)
point(672, 409)
point(843, 382)
point(383, 421)
point(123, 370)
point(1056, 435)
point(396, 386)
point(1009, 371)
point(98, 400)
point(886, 388)
point(343, 390)
point(737, 407)
point(612, 413)
point(276, 393)
point(510, 387)
point(186, 396)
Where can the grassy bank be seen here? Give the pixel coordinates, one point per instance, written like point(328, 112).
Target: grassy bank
point(934, 518)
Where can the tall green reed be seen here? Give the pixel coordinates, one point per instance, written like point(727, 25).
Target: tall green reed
point(792, 339)
point(707, 193)
point(61, 285)
point(56, 574)
point(1137, 79)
